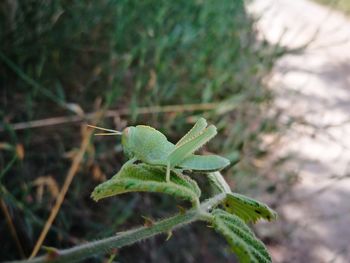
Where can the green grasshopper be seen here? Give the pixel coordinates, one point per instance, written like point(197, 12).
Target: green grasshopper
point(150, 146)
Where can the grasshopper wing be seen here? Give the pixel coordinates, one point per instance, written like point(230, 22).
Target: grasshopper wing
point(196, 129)
point(187, 148)
point(208, 163)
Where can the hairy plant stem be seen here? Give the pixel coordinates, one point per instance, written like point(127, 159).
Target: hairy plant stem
point(131, 236)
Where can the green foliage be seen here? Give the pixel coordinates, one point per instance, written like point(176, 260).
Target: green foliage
point(124, 51)
point(248, 209)
point(241, 239)
point(146, 178)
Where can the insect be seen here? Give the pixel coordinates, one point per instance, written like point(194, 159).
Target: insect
point(150, 146)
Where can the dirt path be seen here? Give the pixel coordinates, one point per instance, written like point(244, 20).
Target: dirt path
point(313, 87)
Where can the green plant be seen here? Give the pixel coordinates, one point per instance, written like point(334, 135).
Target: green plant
point(226, 212)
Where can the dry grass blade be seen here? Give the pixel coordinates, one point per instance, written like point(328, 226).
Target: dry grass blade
point(87, 133)
point(12, 228)
point(111, 113)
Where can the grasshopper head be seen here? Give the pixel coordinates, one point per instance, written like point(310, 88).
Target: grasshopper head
point(127, 141)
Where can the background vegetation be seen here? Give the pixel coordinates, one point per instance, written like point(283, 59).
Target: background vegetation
point(63, 58)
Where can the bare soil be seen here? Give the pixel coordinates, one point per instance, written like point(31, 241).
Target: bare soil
point(313, 90)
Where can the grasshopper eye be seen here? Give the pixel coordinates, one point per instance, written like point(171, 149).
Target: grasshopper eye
point(126, 136)
point(126, 131)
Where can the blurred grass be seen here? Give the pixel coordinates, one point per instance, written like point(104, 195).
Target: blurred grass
point(128, 54)
point(342, 5)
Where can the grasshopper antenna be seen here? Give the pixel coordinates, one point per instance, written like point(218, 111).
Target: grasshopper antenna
point(110, 132)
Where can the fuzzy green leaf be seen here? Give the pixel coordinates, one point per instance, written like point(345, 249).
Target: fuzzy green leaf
point(248, 209)
point(241, 239)
point(146, 178)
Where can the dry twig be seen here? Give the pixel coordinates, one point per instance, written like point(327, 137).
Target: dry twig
point(87, 133)
point(111, 113)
